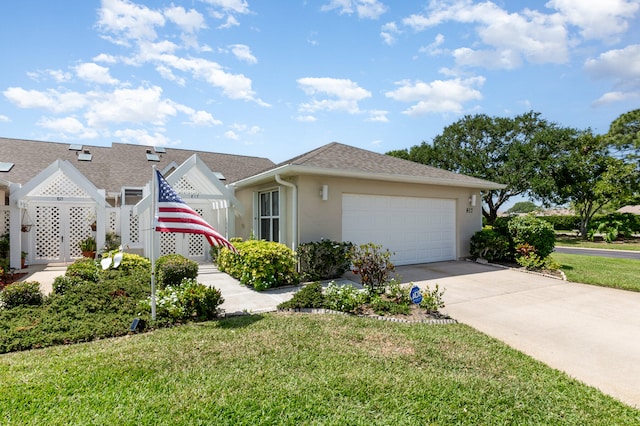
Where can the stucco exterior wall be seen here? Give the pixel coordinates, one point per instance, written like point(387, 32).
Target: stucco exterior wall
point(323, 219)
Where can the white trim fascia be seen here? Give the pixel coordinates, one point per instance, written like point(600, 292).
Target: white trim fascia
point(292, 170)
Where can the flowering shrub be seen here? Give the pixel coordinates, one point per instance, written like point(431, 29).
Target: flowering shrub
point(190, 300)
point(533, 231)
point(432, 299)
point(260, 264)
point(490, 245)
point(345, 298)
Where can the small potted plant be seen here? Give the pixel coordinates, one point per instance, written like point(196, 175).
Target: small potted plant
point(88, 247)
point(23, 257)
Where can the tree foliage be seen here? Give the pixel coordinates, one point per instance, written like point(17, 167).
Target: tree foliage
point(523, 207)
point(493, 148)
point(580, 169)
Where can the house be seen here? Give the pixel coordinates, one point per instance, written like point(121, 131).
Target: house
point(53, 192)
point(630, 209)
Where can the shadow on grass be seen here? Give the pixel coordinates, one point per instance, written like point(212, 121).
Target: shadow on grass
point(239, 321)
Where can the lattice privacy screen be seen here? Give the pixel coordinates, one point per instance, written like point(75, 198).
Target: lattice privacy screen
point(196, 241)
point(134, 228)
point(80, 220)
point(4, 222)
point(167, 243)
point(48, 232)
point(61, 186)
point(183, 186)
point(112, 221)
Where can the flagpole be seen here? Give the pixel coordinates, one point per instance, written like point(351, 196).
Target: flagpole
point(154, 188)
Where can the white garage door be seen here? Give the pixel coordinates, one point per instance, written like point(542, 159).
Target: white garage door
point(417, 230)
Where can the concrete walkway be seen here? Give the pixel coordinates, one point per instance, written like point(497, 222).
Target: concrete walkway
point(591, 333)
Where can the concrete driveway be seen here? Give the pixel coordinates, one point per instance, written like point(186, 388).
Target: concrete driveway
point(591, 333)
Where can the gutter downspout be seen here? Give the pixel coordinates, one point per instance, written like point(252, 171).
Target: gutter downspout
point(294, 212)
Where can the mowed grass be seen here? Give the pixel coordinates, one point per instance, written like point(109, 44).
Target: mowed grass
point(570, 241)
point(602, 271)
point(296, 369)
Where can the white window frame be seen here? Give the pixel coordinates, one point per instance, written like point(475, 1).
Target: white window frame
point(259, 216)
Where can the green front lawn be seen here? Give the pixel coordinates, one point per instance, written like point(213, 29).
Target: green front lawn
point(602, 271)
point(297, 369)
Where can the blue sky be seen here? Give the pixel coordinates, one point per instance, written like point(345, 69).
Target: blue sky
point(280, 77)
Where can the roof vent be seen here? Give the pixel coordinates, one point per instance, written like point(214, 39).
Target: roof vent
point(151, 156)
point(75, 147)
point(85, 155)
point(160, 149)
point(5, 167)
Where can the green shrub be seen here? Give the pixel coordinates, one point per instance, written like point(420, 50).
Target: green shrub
point(432, 300)
point(382, 305)
point(563, 222)
point(309, 296)
point(373, 266)
point(188, 301)
point(345, 298)
point(171, 269)
point(22, 293)
point(260, 264)
point(84, 269)
point(324, 259)
point(532, 230)
point(491, 245)
point(111, 241)
point(613, 225)
point(62, 283)
point(132, 263)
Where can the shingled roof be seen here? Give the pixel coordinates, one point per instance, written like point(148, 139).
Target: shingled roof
point(339, 159)
point(119, 165)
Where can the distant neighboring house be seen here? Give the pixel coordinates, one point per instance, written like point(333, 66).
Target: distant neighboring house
point(629, 209)
point(53, 192)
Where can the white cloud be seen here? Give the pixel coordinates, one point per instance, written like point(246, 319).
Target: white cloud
point(104, 58)
point(51, 100)
point(130, 106)
point(370, 9)
point(612, 97)
point(95, 73)
point(142, 137)
point(68, 125)
point(434, 47)
point(439, 96)
point(347, 92)
point(229, 23)
point(230, 134)
point(198, 118)
point(378, 116)
point(306, 118)
point(237, 6)
point(243, 53)
point(4, 119)
point(388, 32)
point(189, 22)
point(620, 65)
point(129, 21)
point(509, 37)
point(597, 19)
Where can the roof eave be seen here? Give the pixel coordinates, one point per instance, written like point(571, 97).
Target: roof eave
point(293, 170)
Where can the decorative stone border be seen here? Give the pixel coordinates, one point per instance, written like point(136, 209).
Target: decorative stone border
point(540, 274)
point(431, 321)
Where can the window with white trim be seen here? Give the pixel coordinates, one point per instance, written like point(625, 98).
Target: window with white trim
point(269, 215)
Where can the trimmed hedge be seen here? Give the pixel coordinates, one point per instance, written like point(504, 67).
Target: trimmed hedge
point(324, 259)
point(21, 293)
point(260, 264)
point(171, 269)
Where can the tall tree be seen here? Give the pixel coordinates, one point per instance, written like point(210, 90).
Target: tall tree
point(624, 135)
point(493, 148)
point(578, 168)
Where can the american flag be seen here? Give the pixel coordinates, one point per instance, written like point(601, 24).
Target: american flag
point(174, 215)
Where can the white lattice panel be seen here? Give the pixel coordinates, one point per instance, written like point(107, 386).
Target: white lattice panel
point(47, 224)
point(4, 222)
point(61, 186)
point(183, 186)
point(80, 220)
point(112, 221)
point(167, 243)
point(134, 228)
point(196, 241)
